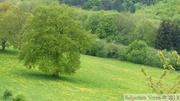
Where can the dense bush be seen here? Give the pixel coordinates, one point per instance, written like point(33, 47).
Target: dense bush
point(97, 48)
point(19, 97)
point(106, 27)
point(144, 55)
point(7, 94)
point(146, 30)
point(101, 48)
point(112, 50)
point(152, 58)
point(92, 21)
point(172, 59)
point(122, 53)
point(137, 52)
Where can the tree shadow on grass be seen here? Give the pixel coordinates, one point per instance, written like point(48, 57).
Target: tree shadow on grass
point(39, 76)
point(9, 52)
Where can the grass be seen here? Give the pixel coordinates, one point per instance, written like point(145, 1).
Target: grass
point(99, 79)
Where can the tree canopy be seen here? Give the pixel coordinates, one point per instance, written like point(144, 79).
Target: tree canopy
point(168, 36)
point(118, 5)
point(12, 20)
point(53, 40)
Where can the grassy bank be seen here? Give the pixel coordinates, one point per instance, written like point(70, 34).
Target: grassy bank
point(98, 79)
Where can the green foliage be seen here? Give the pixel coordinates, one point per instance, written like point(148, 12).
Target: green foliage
point(168, 36)
point(146, 30)
point(165, 9)
point(158, 86)
point(136, 52)
point(118, 5)
point(122, 53)
point(28, 5)
point(172, 59)
point(19, 97)
point(11, 24)
point(7, 94)
point(119, 28)
point(11, 1)
point(148, 2)
point(53, 40)
point(125, 24)
point(97, 49)
point(92, 21)
point(101, 48)
point(112, 50)
point(176, 19)
point(152, 58)
point(106, 28)
point(122, 28)
point(91, 4)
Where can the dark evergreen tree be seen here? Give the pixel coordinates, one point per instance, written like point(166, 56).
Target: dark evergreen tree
point(168, 36)
point(91, 4)
point(106, 5)
point(132, 8)
point(73, 2)
point(118, 5)
point(175, 31)
point(163, 40)
point(148, 2)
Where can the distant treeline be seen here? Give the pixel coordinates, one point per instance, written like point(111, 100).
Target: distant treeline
point(119, 5)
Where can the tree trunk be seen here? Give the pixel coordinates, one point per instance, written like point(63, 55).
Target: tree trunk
point(56, 74)
point(3, 45)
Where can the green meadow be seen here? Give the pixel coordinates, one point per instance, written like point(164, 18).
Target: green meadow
point(99, 79)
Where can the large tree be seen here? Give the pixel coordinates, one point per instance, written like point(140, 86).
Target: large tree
point(12, 20)
point(118, 5)
point(168, 36)
point(164, 37)
point(28, 5)
point(53, 40)
point(146, 30)
point(92, 21)
point(106, 27)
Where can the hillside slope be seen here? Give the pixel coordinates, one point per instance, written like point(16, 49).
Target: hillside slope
point(98, 79)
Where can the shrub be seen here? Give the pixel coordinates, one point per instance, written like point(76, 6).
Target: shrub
point(19, 97)
point(7, 94)
point(136, 52)
point(96, 48)
point(173, 60)
point(152, 58)
point(101, 48)
point(111, 50)
point(122, 53)
point(158, 86)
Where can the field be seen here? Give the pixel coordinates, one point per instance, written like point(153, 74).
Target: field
point(99, 79)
